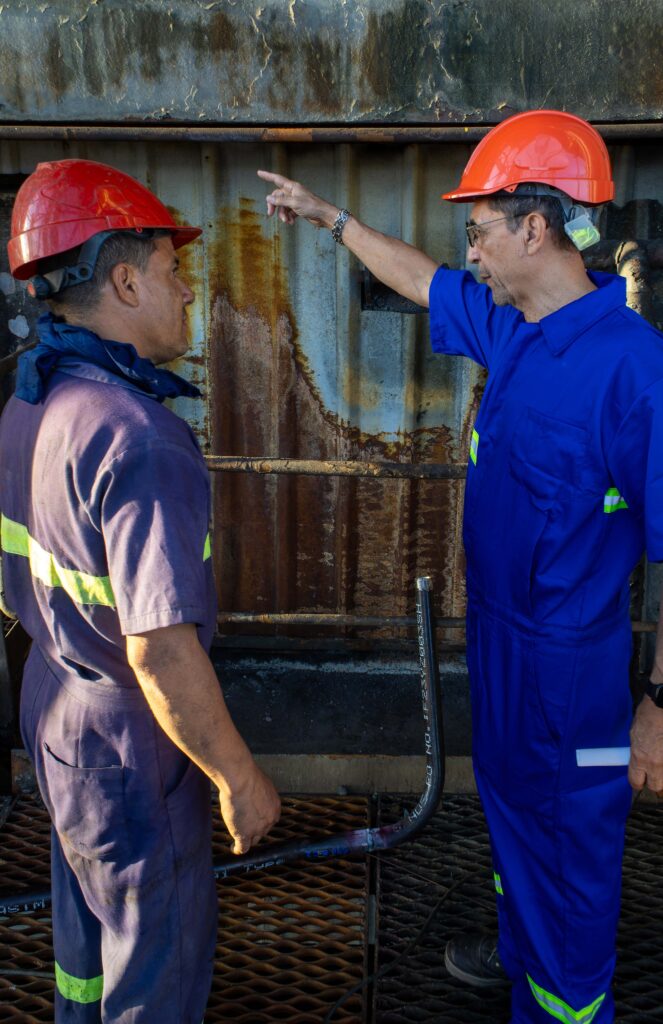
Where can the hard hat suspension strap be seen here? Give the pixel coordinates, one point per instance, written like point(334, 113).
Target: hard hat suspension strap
point(578, 220)
point(44, 286)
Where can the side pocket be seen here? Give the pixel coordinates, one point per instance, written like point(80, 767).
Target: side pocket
point(86, 806)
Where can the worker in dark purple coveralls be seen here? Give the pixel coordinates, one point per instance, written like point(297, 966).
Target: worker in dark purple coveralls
point(106, 560)
point(564, 493)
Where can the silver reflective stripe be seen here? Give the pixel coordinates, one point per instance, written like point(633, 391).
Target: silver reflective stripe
point(560, 1010)
point(612, 500)
point(474, 447)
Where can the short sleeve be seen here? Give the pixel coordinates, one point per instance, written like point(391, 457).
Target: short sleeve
point(154, 519)
point(635, 460)
point(464, 320)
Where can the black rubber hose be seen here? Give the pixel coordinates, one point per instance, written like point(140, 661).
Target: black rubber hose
point(358, 841)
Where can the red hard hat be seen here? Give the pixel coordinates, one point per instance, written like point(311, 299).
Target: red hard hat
point(64, 203)
point(541, 146)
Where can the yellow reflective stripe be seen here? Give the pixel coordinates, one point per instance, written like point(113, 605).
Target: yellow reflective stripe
point(207, 550)
point(80, 586)
point(78, 990)
point(613, 500)
point(474, 447)
point(560, 1010)
point(498, 884)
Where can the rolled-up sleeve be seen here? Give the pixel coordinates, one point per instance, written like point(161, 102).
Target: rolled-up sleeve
point(464, 320)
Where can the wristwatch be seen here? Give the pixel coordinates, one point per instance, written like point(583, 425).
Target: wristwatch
point(655, 691)
point(337, 227)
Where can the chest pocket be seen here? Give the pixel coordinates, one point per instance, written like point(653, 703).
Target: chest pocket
point(553, 460)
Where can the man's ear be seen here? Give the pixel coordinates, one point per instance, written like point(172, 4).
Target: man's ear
point(123, 278)
point(535, 227)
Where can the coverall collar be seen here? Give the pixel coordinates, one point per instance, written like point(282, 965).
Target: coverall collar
point(562, 327)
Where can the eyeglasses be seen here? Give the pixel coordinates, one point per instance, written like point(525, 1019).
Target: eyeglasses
point(474, 231)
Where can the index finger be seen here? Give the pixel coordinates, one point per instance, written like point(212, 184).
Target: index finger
point(277, 179)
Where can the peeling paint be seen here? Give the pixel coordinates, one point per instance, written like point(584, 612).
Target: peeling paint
point(397, 61)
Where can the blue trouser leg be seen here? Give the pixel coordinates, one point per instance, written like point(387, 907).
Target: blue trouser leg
point(135, 907)
point(556, 831)
point(559, 902)
point(76, 946)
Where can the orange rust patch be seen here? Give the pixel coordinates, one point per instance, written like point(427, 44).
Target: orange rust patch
point(308, 543)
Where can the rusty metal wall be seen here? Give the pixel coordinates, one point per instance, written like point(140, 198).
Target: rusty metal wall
point(291, 366)
point(323, 61)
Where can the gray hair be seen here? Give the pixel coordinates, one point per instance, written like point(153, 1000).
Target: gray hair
point(516, 207)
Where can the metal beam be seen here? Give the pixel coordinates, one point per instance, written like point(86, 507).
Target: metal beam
point(381, 135)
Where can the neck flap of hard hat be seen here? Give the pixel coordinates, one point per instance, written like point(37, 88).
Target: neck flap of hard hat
point(59, 339)
point(578, 220)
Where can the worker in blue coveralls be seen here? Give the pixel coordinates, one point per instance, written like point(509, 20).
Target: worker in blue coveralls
point(564, 492)
point(106, 560)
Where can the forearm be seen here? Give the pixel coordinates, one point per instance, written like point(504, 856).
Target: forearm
point(646, 767)
point(400, 266)
point(657, 671)
point(183, 692)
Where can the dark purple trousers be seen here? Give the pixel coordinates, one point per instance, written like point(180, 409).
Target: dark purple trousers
point(134, 899)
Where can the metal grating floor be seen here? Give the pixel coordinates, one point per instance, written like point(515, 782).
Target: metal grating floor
point(293, 939)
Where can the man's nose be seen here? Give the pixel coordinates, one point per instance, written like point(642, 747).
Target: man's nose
point(473, 254)
point(187, 294)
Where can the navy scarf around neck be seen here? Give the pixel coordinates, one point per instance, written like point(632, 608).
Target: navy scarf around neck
point(58, 339)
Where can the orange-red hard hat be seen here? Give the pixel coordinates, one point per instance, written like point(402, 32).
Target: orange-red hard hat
point(64, 203)
point(543, 146)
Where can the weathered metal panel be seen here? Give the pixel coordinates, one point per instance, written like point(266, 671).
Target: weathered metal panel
point(324, 61)
point(292, 367)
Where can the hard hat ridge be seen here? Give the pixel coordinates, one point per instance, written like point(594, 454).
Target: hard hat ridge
point(548, 147)
point(65, 203)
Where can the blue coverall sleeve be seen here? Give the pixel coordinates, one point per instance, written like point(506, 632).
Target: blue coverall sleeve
point(635, 460)
point(154, 519)
point(464, 320)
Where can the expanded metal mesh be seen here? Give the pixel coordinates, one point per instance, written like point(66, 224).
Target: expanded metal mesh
point(291, 939)
point(294, 938)
point(454, 850)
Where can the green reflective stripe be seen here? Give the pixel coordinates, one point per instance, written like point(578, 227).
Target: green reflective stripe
point(613, 500)
point(79, 990)
point(560, 1010)
point(498, 884)
point(474, 447)
point(207, 550)
point(80, 586)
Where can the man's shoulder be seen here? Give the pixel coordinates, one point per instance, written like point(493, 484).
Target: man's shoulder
point(111, 418)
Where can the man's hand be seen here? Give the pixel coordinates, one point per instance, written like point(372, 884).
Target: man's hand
point(399, 265)
point(292, 200)
point(646, 767)
point(181, 687)
point(250, 810)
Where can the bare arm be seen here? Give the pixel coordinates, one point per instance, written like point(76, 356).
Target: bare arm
point(181, 687)
point(399, 265)
point(646, 767)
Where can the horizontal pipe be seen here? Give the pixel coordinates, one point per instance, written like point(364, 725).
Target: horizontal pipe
point(358, 621)
point(338, 467)
point(329, 619)
point(384, 133)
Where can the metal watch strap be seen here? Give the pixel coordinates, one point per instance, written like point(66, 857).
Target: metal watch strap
point(338, 225)
point(655, 691)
